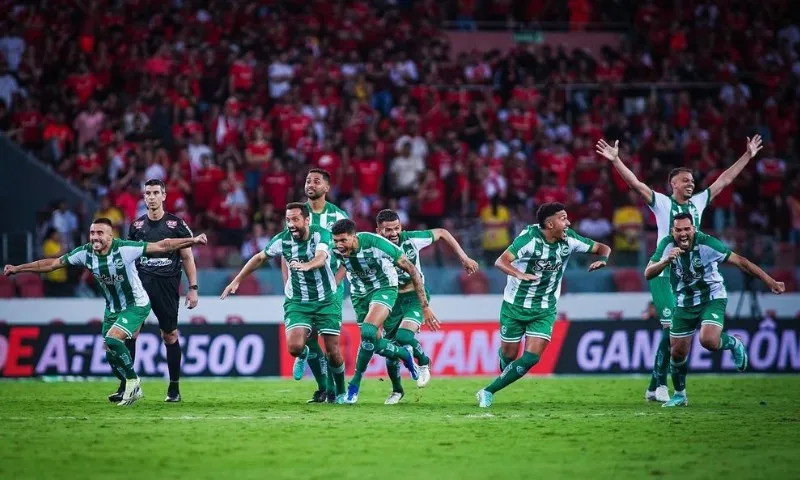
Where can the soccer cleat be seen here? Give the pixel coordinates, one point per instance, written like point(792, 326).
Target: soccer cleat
point(330, 397)
point(116, 397)
point(394, 398)
point(340, 399)
point(660, 394)
point(133, 392)
point(320, 396)
point(484, 398)
point(677, 400)
point(424, 376)
point(299, 368)
point(739, 354)
point(352, 394)
point(173, 393)
point(410, 364)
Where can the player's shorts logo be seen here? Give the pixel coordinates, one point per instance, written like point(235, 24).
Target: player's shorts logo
point(503, 329)
point(716, 317)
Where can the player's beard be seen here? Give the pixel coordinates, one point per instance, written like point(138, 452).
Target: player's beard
point(298, 233)
point(314, 195)
point(98, 245)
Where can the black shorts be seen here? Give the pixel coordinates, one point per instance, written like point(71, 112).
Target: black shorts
point(164, 298)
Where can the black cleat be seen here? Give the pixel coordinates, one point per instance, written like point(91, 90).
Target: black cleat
point(173, 393)
point(116, 397)
point(320, 396)
point(330, 397)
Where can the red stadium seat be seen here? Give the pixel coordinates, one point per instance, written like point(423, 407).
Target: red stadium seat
point(786, 254)
point(32, 290)
point(475, 284)
point(629, 280)
point(203, 257)
point(7, 288)
point(28, 279)
point(786, 276)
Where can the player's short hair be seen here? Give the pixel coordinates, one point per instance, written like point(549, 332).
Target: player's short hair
point(153, 182)
point(300, 206)
point(343, 226)
point(386, 215)
point(683, 216)
point(103, 221)
point(547, 210)
point(324, 173)
point(676, 171)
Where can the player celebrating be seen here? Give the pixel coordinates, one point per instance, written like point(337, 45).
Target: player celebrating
point(694, 258)
point(112, 262)
point(535, 263)
point(406, 317)
point(161, 276)
point(310, 292)
point(683, 200)
point(370, 262)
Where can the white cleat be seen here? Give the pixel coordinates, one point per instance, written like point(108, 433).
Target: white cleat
point(133, 392)
point(394, 398)
point(424, 376)
point(661, 394)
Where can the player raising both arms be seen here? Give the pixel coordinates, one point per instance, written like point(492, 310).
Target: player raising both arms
point(535, 263)
point(683, 200)
point(694, 258)
point(310, 291)
point(113, 264)
point(406, 317)
point(370, 262)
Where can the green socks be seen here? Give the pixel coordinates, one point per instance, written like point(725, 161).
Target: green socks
point(726, 342)
point(316, 360)
point(513, 372)
point(406, 337)
point(504, 361)
point(121, 356)
point(661, 362)
point(337, 374)
point(393, 369)
point(679, 368)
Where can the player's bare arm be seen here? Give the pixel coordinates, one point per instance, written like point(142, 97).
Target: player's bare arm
point(612, 154)
point(503, 263)
point(729, 175)
point(170, 244)
point(255, 262)
point(654, 269)
point(320, 256)
point(430, 319)
point(190, 269)
point(284, 270)
point(470, 265)
point(39, 266)
point(340, 274)
point(751, 268)
point(603, 251)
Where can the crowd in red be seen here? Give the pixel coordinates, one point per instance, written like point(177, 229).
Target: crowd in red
point(231, 102)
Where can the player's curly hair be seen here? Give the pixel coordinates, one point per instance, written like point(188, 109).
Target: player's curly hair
point(343, 226)
point(547, 210)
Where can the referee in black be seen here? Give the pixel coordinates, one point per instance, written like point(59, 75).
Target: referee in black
point(161, 275)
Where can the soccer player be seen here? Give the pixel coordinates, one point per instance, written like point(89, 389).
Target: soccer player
point(311, 300)
point(323, 214)
point(535, 263)
point(370, 261)
point(406, 318)
point(161, 277)
point(694, 258)
point(112, 262)
point(683, 200)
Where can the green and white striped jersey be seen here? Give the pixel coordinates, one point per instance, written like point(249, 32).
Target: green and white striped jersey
point(316, 285)
point(329, 215)
point(535, 255)
point(115, 272)
point(372, 266)
point(695, 274)
point(665, 208)
point(411, 242)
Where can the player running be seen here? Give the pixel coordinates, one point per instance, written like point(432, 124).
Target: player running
point(370, 261)
point(683, 200)
point(406, 318)
point(694, 258)
point(113, 264)
point(161, 277)
point(310, 292)
point(535, 263)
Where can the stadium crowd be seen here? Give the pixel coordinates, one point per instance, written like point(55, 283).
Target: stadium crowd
point(230, 103)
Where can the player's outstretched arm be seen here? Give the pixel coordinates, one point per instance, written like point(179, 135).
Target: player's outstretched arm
point(427, 314)
point(503, 263)
point(751, 268)
point(251, 266)
point(729, 175)
point(171, 244)
point(470, 265)
point(39, 266)
point(604, 251)
point(654, 269)
point(320, 257)
point(612, 154)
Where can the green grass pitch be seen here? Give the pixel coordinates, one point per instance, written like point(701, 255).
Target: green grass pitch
point(584, 428)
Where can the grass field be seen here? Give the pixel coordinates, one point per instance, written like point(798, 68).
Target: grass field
point(735, 427)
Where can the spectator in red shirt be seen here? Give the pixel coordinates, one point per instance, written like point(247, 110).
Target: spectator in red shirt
point(229, 214)
point(58, 137)
point(206, 182)
point(258, 156)
point(276, 185)
point(771, 170)
point(431, 200)
point(369, 173)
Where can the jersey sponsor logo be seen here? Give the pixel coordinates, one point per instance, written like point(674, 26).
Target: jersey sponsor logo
point(547, 266)
point(155, 262)
point(109, 279)
point(138, 224)
point(366, 274)
point(172, 223)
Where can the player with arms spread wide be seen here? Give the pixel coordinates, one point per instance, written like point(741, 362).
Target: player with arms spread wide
point(406, 318)
point(370, 262)
point(113, 264)
point(310, 291)
point(535, 263)
point(683, 200)
point(694, 258)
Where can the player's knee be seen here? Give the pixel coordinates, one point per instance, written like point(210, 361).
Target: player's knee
point(679, 351)
point(404, 337)
point(709, 340)
point(169, 337)
point(509, 351)
point(335, 358)
point(295, 348)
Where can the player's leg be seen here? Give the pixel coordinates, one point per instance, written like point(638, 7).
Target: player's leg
point(664, 302)
point(108, 321)
point(411, 322)
point(390, 327)
point(317, 364)
point(165, 300)
point(297, 316)
point(328, 322)
point(713, 338)
point(512, 329)
point(128, 323)
point(684, 323)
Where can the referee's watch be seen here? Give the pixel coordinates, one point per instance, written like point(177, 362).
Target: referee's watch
point(193, 287)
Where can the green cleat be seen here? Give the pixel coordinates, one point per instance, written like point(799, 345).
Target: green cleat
point(739, 354)
point(677, 400)
point(484, 398)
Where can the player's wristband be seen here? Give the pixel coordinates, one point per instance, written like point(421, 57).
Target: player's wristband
point(193, 287)
point(604, 259)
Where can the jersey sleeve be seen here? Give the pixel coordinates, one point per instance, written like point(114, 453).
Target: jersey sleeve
point(660, 203)
point(275, 246)
point(520, 244)
point(579, 243)
point(341, 215)
point(183, 230)
point(715, 250)
point(420, 238)
point(76, 257)
point(390, 249)
point(701, 200)
point(130, 251)
point(661, 249)
point(132, 231)
point(323, 241)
